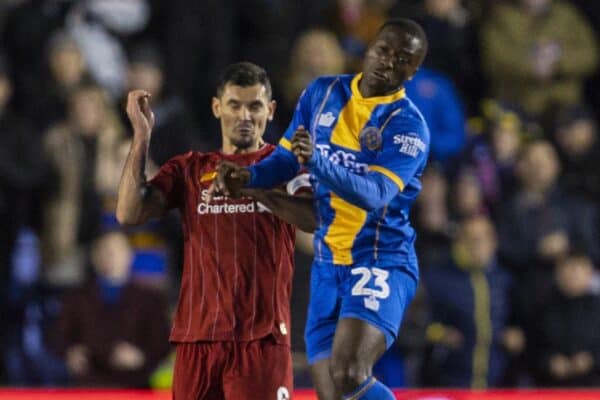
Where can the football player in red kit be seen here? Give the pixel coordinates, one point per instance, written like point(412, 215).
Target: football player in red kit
point(231, 326)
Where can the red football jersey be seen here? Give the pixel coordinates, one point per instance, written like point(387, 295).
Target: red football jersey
point(238, 257)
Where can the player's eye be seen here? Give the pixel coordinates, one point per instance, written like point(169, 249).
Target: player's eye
point(382, 49)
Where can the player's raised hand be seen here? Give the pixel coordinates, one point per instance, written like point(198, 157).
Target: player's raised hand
point(230, 180)
point(302, 146)
point(139, 112)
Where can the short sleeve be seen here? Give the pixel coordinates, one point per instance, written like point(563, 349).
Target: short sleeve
point(404, 150)
point(170, 180)
point(300, 184)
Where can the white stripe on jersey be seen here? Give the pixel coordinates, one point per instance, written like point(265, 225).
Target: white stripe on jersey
point(202, 274)
point(218, 271)
point(274, 247)
point(254, 274)
point(235, 275)
point(191, 264)
point(299, 182)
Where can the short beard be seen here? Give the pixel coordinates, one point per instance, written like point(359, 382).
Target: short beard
point(244, 144)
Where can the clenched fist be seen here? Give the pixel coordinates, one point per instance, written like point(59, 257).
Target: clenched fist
point(140, 114)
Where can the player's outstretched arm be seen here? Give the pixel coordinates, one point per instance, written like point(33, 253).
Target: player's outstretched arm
point(369, 192)
point(294, 209)
point(230, 179)
point(137, 200)
point(278, 168)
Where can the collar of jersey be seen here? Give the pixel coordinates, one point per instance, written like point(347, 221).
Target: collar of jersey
point(242, 155)
point(390, 98)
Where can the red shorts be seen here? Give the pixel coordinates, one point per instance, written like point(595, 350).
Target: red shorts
point(260, 369)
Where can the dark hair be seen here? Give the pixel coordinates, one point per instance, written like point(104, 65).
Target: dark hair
point(412, 28)
point(566, 116)
point(4, 66)
point(146, 53)
point(576, 253)
point(244, 74)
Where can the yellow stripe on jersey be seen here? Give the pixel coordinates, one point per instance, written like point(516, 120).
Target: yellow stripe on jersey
point(285, 144)
point(397, 180)
point(347, 222)
point(351, 121)
point(356, 113)
point(208, 176)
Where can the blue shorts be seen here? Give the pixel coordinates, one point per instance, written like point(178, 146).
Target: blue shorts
point(378, 296)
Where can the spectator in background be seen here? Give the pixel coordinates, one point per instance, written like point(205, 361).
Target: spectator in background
point(576, 137)
point(31, 309)
point(174, 132)
point(440, 104)
point(205, 32)
point(26, 26)
point(541, 224)
point(452, 37)
point(356, 23)
point(432, 219)
point(568, 328)
point(537, 53)
point(467, 197)
point(591, 9)
point(21, 181)
point(100, 28)
point(67, 71)
point(469, 297)
point(315, 53)
point(111, 332)
point(82, 152)
point(492, 153)
point(152, 242)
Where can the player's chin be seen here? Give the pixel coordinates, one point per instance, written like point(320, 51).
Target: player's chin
point(378, 84)
point(244, 141)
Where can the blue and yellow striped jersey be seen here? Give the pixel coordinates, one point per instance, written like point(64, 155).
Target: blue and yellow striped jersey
point(385, 135)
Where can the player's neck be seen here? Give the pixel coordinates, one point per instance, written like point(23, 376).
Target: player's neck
point(230, 149)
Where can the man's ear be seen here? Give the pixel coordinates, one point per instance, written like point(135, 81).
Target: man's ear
point(216, 107)
point(272, 108)
point(413, 74)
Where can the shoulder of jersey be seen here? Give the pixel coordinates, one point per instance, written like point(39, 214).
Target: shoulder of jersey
point(324, 81)
point(217, 155)
point(193, 156)
point(411, 111)
point(268, 147)
point(411, 114)
point(185, 157)
point(410, 119)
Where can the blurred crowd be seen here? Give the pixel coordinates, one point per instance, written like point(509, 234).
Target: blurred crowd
point(507, 221)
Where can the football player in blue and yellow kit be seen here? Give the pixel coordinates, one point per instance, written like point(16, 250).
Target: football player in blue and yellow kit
point(365, 145)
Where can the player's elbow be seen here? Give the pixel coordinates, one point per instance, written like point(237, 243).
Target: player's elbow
point(126, 217)
point(380, 195)
point(123, 218)
point(373, 205)
point(308, 226)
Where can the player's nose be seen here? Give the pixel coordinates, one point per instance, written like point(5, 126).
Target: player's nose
point(245, 114)
point(385, 62)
